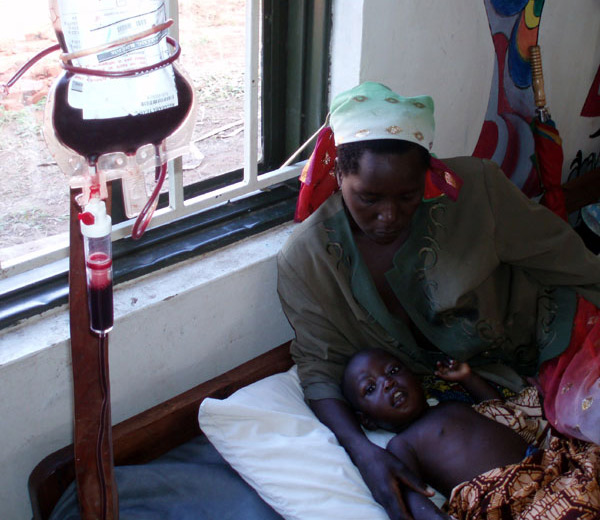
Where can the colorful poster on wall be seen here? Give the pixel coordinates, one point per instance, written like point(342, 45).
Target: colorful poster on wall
point(506, 136)
point(591, 107)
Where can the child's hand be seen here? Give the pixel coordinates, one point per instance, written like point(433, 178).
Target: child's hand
point(453, 370)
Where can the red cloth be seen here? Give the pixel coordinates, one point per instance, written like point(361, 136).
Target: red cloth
point(317, 181)
point(549, 160)
point(441, 180)
point(570, 383)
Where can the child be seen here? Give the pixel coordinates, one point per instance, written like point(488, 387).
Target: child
point(445, 445)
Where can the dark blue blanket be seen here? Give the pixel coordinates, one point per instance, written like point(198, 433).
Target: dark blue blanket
point(191, 482)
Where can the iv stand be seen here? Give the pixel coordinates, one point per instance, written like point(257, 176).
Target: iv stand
point(94, 463)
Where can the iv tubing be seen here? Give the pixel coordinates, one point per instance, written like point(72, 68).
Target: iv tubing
point(143, 219)
point(307, 142)
point(29, 64)
point(104, 410)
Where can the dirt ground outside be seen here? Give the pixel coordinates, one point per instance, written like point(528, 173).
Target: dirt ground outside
point(33, 190)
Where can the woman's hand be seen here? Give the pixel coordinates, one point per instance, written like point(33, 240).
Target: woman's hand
point(386, 476)
point(453, 370)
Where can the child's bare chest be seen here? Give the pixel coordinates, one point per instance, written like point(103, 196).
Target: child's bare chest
point(454, 443)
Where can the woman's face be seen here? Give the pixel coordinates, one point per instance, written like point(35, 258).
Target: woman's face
point(384, 193)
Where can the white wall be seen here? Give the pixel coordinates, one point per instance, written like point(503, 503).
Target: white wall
point(570, 43)
point(444, 49)
point(181, 326)
point(173, 330)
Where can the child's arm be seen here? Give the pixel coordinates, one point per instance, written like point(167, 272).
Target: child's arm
point(478, 387)
point(420, 507)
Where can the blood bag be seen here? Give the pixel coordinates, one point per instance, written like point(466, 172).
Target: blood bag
point(121, 107)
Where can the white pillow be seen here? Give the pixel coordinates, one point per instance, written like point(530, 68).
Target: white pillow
point(275, 442)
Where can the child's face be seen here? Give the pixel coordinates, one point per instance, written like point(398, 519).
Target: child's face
point(384, 193)
point(384, 390)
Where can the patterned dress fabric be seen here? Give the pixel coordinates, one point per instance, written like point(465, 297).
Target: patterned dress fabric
point(557, 482)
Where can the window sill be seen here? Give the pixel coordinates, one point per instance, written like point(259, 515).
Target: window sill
point(135, 296)
point(45, 288)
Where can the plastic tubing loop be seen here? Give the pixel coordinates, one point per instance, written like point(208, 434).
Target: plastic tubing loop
point(97, 49)
point(130, 72)
point(92, 72)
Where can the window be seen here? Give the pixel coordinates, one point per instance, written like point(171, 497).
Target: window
point(277, 89)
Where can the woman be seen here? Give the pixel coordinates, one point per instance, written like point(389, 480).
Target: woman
point(429, 259)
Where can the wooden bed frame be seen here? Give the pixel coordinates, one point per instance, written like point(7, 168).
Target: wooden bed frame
point(152, 433)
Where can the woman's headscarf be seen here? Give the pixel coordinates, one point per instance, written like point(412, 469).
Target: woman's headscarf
point(366, 112)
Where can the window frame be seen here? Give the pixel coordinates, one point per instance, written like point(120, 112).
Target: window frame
point(295, 58)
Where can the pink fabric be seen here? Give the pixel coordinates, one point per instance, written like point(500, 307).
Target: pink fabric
point(570, 383)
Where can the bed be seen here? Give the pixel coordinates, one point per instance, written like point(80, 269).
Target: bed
point(261, 454)
point(153, 433)
point(169, 433)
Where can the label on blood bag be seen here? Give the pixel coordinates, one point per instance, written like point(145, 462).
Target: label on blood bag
point(94, 23)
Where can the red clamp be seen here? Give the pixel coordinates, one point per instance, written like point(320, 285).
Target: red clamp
point(87, 218)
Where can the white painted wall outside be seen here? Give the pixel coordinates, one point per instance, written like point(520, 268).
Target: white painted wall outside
point(185, 324)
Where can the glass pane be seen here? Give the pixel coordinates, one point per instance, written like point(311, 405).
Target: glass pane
point(212, 37)
point(33, 190)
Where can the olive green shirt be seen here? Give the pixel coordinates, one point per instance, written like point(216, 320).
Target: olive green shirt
point(490, 278)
